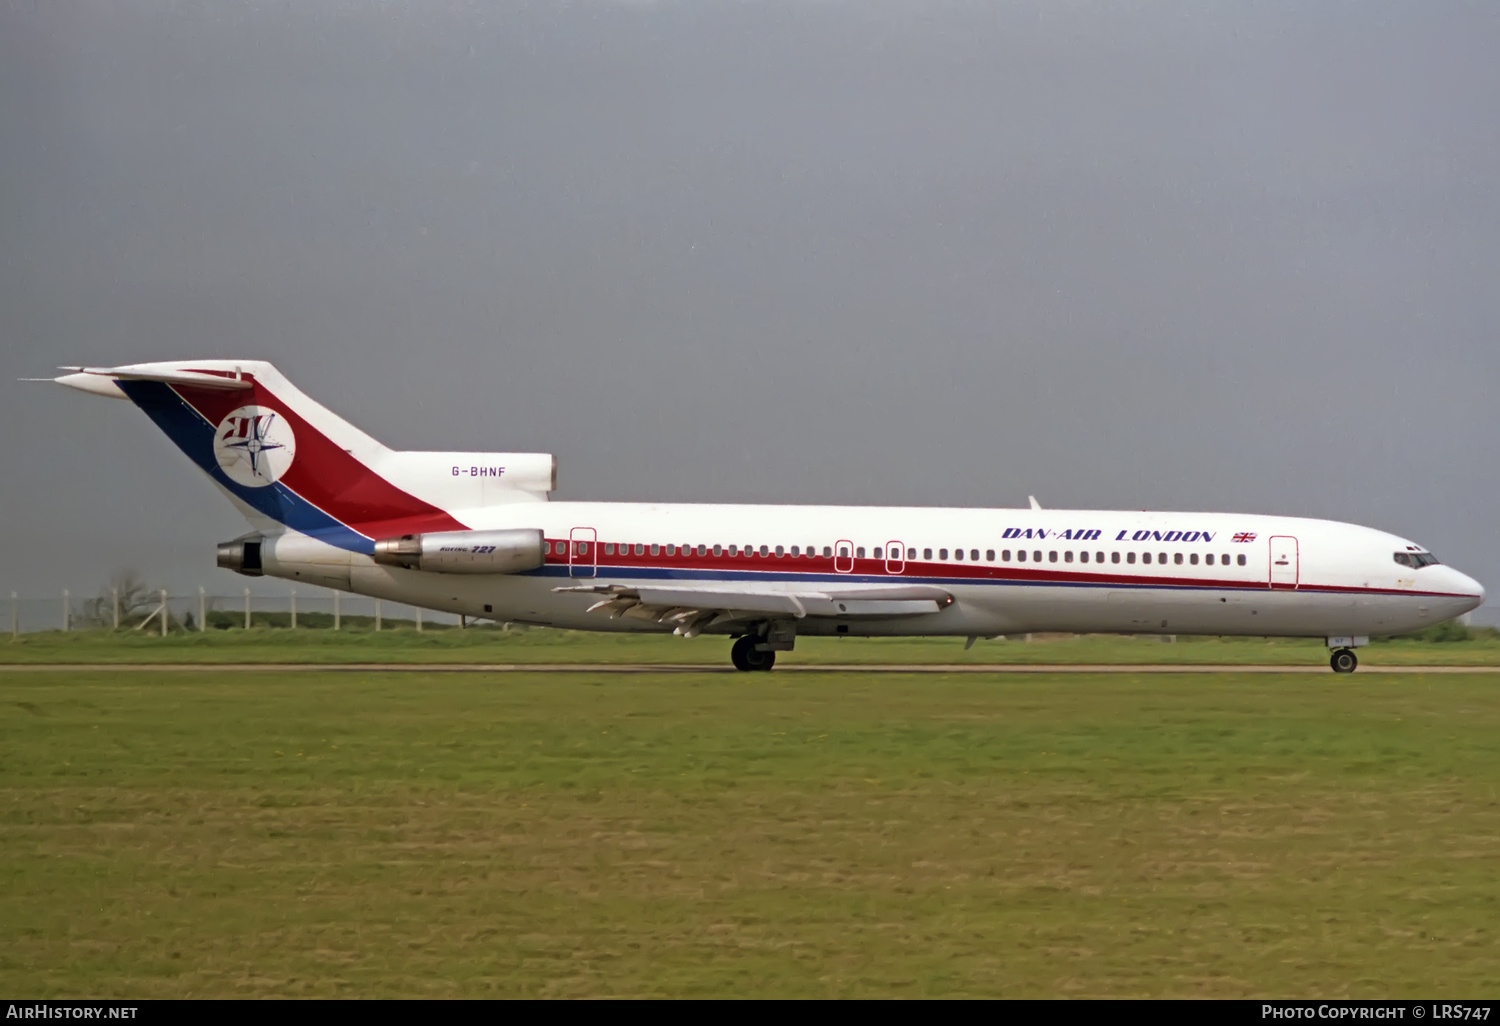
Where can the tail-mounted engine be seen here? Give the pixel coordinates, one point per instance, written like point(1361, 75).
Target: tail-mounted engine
point(465, 552)
point(242, 555)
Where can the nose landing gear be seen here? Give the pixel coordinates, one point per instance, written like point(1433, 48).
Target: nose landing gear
point(747, 658)
point(1343, 661)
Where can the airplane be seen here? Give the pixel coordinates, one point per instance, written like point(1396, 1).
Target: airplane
point(474, 533)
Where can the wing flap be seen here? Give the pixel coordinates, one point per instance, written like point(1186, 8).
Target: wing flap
point(689, 608)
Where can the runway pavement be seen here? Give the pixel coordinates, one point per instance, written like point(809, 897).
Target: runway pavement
point(658, 668)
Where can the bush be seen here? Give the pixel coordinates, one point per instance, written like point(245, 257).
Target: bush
point(1448, 630)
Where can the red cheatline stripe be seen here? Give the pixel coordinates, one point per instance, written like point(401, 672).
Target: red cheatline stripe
point(953, 573)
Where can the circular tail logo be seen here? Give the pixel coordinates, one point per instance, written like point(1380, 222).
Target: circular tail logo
point(254, 446)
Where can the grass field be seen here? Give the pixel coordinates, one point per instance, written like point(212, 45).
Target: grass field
point(816, 834)
point(491, 645)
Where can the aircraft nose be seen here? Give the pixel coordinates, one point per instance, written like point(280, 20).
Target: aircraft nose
point(1466, 585)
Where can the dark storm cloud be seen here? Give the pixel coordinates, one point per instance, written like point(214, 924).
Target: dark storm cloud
point(1193, 256)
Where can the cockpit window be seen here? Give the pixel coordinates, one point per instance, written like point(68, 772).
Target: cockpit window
point(1416, 560)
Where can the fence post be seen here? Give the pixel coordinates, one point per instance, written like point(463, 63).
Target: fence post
point(115, 595)
point(202, 610)
point(67, 611)
point(247, 609)
point(377, 614)
point(419, 618)
point(15, 617)
point(336, 609)
point(294, 609)
point(164, 612)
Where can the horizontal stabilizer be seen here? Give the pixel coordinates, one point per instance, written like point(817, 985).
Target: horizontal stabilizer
point(100, 380)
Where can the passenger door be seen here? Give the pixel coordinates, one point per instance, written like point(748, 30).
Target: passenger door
point(1285, 568)
point(583, 552)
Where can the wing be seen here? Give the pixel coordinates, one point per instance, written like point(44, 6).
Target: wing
point(691, 608)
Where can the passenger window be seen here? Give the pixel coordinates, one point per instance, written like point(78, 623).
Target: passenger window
point(640, 549)
point(1209, 559)
point(1161, 557)
point(1098, 557)
point(718, 550)
point(878, 550)
point(926, 553)
point(974, 554)
point(734, 550)
point(702, 551)
point(764, 551)
point(843, 552)
point(1145, 557)
point(1242, 561)
point(911, 553)
point(859, 553)
point(779, 551)
point(1068, 557)
point(1005, 556)
point(1114, 557)
point(609, 548)
point(942, 553)
point(796, 550)
point(1036, 556)
point(827, 551)
point(1020, 555)
point(1052, 557)
point(1193, 559)
point(1177, 558)
point(1083, 557)
point(1130, 557)
point(958, 554)
point(655, 550)
point(989, 555)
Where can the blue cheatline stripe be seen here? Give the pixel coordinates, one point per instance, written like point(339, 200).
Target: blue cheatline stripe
point(195, 436)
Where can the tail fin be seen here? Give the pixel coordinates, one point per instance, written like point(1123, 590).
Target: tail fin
point(280, 456)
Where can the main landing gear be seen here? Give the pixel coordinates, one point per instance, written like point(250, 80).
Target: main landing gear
point(747, 658)
point(1343, 661)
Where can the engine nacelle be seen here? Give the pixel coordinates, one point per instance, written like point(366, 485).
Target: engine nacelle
point(465, 552)
point(242, 555)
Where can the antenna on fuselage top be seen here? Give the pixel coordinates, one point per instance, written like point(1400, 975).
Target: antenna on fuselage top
point(1034, 503)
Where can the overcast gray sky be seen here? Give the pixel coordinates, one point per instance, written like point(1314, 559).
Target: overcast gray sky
point(1182, 256)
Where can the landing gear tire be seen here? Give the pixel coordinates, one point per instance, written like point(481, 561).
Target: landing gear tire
point(1343, 661)
point(745, 657)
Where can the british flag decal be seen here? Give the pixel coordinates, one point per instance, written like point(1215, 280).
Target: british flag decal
point(1245, 536)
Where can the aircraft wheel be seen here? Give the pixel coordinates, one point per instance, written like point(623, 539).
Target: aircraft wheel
point(762, 661)
point(746, 659)
point(1343, 661)
point(737, 653)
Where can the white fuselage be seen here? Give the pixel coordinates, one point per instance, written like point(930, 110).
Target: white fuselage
point(1021, 570)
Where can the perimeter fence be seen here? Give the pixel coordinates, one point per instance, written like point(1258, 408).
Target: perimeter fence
point(157, 611)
